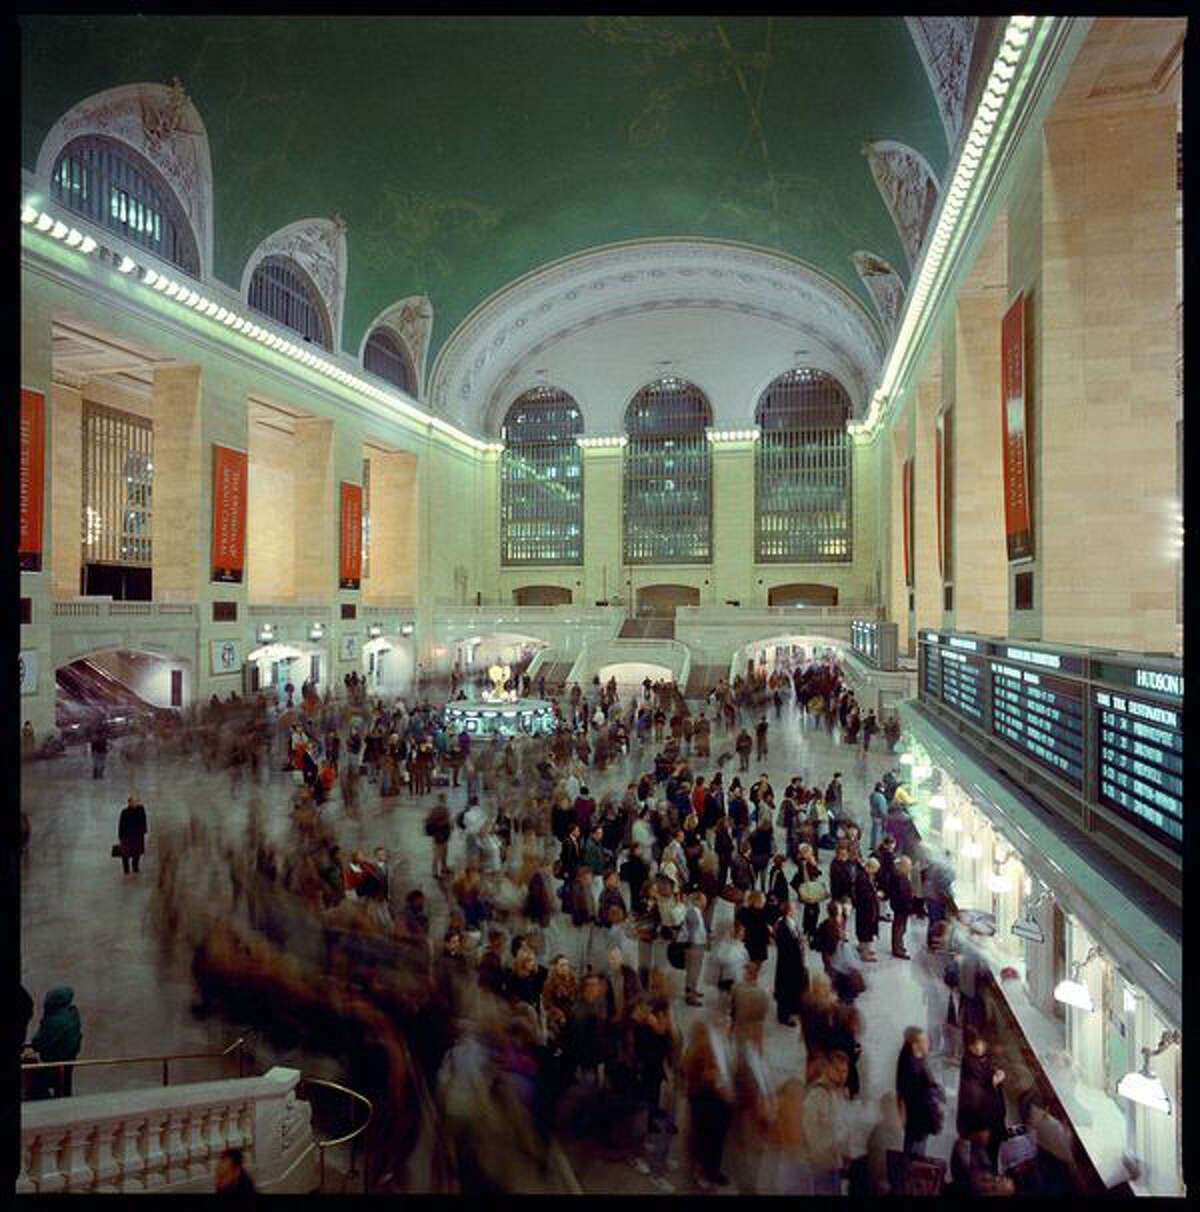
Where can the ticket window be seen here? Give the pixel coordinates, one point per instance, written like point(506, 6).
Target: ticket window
point(314, 669)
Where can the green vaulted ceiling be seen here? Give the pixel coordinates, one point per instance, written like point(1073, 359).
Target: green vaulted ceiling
point(464, 152)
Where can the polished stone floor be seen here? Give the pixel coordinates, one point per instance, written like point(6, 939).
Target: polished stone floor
point(85, 924)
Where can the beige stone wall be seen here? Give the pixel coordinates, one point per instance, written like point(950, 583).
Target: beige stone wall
point(394, 529)
point(899, 448)
point(733, 514)
point(182, 525)
point(270, 517)
point(601, 524)
point(928, 586)
point(316, 510)
point(981, 558)
point(1107, 379)
point(65, 467)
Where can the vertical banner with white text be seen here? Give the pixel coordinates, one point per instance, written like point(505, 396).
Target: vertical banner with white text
point(351, 545)
point(229, 515)
point(1018, 508)
point(907, 489)
point(32, 473)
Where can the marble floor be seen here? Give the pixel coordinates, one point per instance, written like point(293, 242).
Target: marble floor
point(85, 924)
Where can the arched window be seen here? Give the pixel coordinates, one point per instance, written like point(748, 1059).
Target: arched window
point(116, 187)
point(804, 502)
point(668, 475)
point(541, 480)
point(385, 356)
point(282, 291)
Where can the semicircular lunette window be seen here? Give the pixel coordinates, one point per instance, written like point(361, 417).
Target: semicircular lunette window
point(804, 506)
point(385, 356)
point(541, 480)
point(282, 291)
point(116, 187)
point(668, 475)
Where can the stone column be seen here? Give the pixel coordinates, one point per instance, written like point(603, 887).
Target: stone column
point(733, 524)
point(394, 531)
point(603, 535)
point(897, 586)
point(981, 556)
point(1108, 408)
point(65, 421)
point(181, 523)
point(928, 578)
point(315, 509)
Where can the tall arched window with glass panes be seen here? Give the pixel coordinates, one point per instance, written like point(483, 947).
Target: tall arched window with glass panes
point(668, 475)
point(282, 291)
point(803, 471)
point(541, 480)
point(384, 355)
point(116, 187)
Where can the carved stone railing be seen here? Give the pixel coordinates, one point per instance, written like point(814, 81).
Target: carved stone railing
point(169, 1139)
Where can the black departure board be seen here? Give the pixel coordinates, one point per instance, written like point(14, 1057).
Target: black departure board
point(933, 671)
point(962, 684)
point(1042, 716)
point(1139, 754)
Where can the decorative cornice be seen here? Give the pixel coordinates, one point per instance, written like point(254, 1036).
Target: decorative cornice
point(636, 276)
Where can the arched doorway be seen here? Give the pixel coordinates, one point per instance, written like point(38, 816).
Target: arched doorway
point(802, 594)
point(541, 595)
point(661, 600)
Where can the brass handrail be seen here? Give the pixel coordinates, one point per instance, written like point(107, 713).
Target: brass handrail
point(164, 1060)
point(322, 1145)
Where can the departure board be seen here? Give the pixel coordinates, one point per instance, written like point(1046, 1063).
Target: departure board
point(962, 684)
point(1042, 716)
point(933, 671)
point(1140, 758)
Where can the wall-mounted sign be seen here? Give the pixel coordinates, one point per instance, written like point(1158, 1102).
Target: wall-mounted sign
point(1018, 507)
point(31, 481)
point(228, 515)
point(348, 648)
point(350, 572)
point(226, 656)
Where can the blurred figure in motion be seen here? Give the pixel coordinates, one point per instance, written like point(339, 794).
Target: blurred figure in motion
point(59, 1038)
point(233, 1180)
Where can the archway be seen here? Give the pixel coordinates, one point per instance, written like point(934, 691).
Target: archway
point(631, 674)
point(272, 667)
point(802, 594)
point(783, 651)
point(389, 664)
point(541, 595)
point(661, 600)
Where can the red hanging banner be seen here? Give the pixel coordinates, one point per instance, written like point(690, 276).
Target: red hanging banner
point(229, 515)
point(32, 479)
point(1018, 508)
point(351, 546)
point(907, 489)
point(938, 443)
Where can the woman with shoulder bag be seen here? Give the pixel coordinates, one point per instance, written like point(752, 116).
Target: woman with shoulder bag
point(811, 890)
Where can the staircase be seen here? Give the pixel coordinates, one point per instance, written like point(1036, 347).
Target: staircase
point(652, 628)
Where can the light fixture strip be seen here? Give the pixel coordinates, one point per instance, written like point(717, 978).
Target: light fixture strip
point(218, 315)
point(1011, 71)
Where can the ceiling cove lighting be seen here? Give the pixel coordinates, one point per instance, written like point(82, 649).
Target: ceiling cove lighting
point(978, 153)
point(1142, 1086)
point(39, 220)
point(1071, 992)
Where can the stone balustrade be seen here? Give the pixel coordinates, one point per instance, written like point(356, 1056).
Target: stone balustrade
point(168, 1139)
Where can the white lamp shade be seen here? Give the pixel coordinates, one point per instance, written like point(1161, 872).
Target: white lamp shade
point(938, 802)
point(1148, 1091)
point(1072, 993)
point(952, 824)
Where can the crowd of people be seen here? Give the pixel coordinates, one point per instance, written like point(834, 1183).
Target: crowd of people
point(578, 929)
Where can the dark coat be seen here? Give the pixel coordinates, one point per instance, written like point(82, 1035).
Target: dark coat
point(902, 894)
point(60, 1033)
point(866, 908)
point(920, 1094)
point(980, 1101)
point(132, 829)
point(791, 972)
point(841, 878)
point(757, 933)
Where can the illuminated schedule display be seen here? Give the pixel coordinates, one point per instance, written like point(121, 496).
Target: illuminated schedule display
point(962, 684)
point(1042, 716)
point(931, 677)
point(1139, 755)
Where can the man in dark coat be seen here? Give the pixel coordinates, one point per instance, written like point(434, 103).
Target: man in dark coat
point(791, 970)
point(59, 1038)
point(131, 833)
point(902, 904)
point(918, 1092)
point(866, 909)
